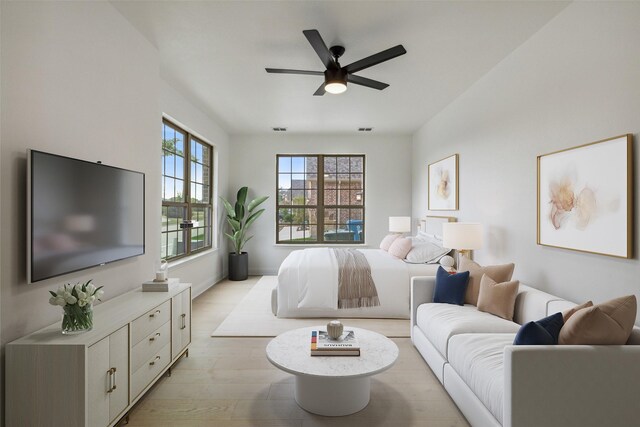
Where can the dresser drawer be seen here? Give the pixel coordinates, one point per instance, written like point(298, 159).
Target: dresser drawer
point(150, 321)
point(150, 345)
point(150, 369)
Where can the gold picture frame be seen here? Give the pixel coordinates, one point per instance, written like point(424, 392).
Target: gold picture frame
point(585, 198)
point(442, 187)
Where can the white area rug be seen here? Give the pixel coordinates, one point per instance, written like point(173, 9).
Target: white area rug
point(253, 318)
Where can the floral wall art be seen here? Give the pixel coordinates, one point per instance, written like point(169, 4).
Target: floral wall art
point(585, 197)
point(443, 184)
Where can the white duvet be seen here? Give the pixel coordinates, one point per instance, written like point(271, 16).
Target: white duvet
point(308, 284)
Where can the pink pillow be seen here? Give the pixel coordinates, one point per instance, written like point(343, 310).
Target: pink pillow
point(400, 247)
point(387, 241)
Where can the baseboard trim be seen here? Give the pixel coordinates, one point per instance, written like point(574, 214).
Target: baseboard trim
point(198, 289)
point(263, 272)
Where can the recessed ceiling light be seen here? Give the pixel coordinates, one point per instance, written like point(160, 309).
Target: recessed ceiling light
point(365, 129)
point(279, 129)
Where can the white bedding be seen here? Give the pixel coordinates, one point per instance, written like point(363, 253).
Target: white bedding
point(308, 284)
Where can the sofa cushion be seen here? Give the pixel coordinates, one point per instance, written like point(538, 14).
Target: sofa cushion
point(608, 323)
point(542, 332)
point(499, 273)
point(497, 298)
point(439, 322)
point(450, 288)
point(479, 361)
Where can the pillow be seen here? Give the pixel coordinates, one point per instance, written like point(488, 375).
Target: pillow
point(450, 288)
point(400, 247)
point(387, 241)
point(542, 332)
point(497, 298)
point(499, 273)
point(570, 312)
point(425, 252)
point(609, 323)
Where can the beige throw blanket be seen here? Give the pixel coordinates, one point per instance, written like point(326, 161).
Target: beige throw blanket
point(355, 284)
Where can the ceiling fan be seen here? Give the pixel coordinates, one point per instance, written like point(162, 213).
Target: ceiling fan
point(336, 76)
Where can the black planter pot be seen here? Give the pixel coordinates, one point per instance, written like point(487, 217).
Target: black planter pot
point(238, 266)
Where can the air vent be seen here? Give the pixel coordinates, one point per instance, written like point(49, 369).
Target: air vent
point(279, 129)
point(365, 129)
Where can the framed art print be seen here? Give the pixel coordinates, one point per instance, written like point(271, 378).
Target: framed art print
point(585, 198)
point(443, 184)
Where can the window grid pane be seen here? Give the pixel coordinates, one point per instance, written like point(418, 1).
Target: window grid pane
point(186, 165)
point(301, 201)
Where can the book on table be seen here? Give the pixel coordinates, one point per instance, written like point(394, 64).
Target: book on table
point(323, 345)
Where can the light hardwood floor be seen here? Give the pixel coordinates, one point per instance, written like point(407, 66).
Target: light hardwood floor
point(229, 382)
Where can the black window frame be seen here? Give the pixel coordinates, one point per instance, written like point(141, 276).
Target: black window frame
point(186, 227)
point(320, 206)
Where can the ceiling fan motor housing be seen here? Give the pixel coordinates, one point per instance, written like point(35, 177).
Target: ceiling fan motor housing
point(335, 75)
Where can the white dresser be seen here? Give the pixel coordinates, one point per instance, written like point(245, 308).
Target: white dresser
point(92, 379)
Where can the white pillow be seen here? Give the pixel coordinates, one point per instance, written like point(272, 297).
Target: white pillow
point(400, 247)
point(387, 241)
point(426, 252)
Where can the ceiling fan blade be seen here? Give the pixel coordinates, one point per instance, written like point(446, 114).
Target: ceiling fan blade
point(285, 71)
point(320, 47)
point(372, 60)
point(320, 91)
point(363, 81)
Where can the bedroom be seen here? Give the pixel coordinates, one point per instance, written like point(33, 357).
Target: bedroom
point(498, 85)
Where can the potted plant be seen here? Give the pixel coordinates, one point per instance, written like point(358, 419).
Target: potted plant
point(240, 219)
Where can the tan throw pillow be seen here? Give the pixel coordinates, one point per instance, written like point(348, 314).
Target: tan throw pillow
point(499, 273)
point(609, 323)
point(497, 298)
point(570, 312)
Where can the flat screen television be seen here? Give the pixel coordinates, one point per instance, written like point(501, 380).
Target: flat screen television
point(80, 215)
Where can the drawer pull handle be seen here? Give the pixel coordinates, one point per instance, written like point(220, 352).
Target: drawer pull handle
point(153, 362)
point(112, 380)
point(153, 338)
point(183, 321)
point(154, 313)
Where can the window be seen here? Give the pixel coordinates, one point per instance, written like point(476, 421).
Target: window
point(320, 199)
point(186, 193)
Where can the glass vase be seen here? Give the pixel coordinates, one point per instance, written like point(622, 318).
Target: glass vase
point(76, 319)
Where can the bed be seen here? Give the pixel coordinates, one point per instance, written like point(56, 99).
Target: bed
point(307, 282)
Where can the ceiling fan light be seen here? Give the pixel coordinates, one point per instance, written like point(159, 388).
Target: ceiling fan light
point(335, 87)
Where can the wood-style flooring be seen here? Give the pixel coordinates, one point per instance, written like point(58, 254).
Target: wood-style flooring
point(228, 382)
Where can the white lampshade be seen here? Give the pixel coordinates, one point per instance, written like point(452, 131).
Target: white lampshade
point(399, 224)
point(461, 235)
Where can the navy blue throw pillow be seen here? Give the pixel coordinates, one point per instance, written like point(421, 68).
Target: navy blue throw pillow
point(450, 288)
point(542, 332)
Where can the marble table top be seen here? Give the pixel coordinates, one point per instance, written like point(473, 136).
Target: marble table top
point(291, 352)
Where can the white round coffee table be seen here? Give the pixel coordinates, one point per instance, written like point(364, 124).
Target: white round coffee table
point(332, 385)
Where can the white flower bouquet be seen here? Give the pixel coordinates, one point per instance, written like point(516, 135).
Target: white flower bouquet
point(77, 303)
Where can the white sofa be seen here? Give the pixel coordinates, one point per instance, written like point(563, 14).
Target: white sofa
point(495, 383)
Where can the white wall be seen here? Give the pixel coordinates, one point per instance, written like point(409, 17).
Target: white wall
point(79, 80)
point(210, 267)
point(387, 183)
point(574, 82)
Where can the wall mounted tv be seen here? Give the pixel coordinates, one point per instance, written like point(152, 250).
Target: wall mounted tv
point(80, 215)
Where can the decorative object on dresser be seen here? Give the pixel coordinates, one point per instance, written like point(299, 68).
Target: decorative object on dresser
point(332, 386)
point(77, 303)
point(443, 184)
point(463, 236)
point(136, 338)
point(585, 198)
point(399, 224)
point(240, 219)
point(160, 286)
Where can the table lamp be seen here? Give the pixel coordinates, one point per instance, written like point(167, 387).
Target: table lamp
point(399, 224)
point(462, 236)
